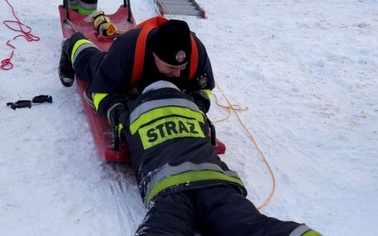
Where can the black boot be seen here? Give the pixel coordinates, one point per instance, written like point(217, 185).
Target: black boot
point(66, 71)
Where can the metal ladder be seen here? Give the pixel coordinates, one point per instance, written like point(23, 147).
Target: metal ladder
point(179, 7)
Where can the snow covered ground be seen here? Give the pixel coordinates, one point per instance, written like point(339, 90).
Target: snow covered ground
point(306, 70)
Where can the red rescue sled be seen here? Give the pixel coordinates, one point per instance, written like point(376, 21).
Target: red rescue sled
point(109, 147)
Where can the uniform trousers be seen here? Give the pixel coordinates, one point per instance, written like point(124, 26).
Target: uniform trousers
point(213, 211)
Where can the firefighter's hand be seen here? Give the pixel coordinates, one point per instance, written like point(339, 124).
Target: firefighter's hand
point(116, 114)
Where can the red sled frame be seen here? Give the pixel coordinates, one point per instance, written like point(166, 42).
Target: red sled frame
point(108, 145)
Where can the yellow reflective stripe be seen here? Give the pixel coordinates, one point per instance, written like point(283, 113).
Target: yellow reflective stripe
point(153, 104)
point(167, 129)
point(97, 98)
point(87, 8)
point(86, 11)
point(77, 44)
point(190, 176)
point(207, 91)
point(164, 112)
point(312, 233)
point(185, 167)
point(74, 6)
point(304, 230)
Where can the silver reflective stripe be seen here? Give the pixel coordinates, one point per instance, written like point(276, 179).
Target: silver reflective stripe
point(147, 106)
point(301, 229)
point(88, 6)
point(184, 167)
point(80, 49)
point(159, 85)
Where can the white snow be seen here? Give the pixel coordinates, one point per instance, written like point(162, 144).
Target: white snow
point(306, 70)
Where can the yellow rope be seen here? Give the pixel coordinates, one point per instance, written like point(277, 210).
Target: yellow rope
point(236, 108)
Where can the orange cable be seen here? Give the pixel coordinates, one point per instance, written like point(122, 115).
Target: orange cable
point(236, 108)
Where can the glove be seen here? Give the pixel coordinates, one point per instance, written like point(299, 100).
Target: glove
point(201, 99)
point(117, 114)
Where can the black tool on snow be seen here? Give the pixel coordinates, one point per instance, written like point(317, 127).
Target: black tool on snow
point(28, 103)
